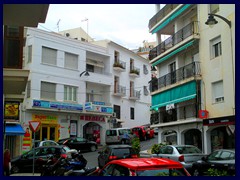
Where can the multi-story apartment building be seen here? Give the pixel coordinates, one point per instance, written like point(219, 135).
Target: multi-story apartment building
point(14, 76)
point(77, 88)
point(193, 93)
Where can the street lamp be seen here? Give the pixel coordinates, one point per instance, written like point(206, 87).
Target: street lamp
point(86, 73)
point(212, 21)
point(153, 69)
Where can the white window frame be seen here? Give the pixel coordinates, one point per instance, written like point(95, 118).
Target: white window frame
point(70, 93)
point(49, 56)
point(216, 42)
point(29, 54)
point(46, 92)
point(71, 61)
point(217, 92)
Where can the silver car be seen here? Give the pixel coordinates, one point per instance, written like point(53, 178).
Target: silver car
point(185, 154)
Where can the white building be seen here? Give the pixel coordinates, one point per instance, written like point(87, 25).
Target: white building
point(193, 95)
point(69, 103)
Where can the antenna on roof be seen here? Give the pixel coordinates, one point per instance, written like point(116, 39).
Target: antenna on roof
point(58, 24)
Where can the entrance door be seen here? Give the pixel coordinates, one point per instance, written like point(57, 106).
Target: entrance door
point(48, 132)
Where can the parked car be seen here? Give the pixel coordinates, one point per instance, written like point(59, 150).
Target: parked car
point(118, 136)
point(141, 132)
point(79, 143)
point(39, 143)
point(185, 154)
point(24, 162)
point(111, 152)
point(222, 159)
point(143, 167)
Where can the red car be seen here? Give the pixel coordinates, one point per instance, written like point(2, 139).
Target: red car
point(143, 167)
point(141, 132)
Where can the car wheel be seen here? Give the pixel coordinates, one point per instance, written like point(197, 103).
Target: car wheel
point(15, 169)
point(93, 148)
point(196, 172)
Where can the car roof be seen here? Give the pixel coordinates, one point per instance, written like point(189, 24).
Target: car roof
point(147, 163)
point(118, 128)
point(119, 146)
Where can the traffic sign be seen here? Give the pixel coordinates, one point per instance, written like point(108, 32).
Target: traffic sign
point(34, 125)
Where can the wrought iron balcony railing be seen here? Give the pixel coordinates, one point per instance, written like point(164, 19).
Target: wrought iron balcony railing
point(119, 90)
point(161, 14)
point(134, 94)
point(190, 29)
point(190, 70)
point(119, 64)
point(134, 70)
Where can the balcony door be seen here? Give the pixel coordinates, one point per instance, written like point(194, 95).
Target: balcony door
point(172, 71)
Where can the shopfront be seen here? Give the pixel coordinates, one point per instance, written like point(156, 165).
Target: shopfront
point(220, 133)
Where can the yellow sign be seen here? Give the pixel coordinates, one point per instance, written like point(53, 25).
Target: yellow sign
point(11, 110)
point(46, 119)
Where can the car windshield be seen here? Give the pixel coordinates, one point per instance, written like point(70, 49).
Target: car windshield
point(162, 172)
point(121, 152)
point(124, 131)
point(188, 150)
point(66, 148)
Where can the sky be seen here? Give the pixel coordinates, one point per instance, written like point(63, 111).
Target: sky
point(125, 24)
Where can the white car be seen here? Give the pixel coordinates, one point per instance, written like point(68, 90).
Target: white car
point(39, 143)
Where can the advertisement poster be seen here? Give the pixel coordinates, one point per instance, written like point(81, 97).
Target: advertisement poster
point(11, 110)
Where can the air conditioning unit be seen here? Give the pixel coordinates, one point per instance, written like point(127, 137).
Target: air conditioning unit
point(114, 114)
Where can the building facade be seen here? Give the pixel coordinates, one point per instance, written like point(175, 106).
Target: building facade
point(67, 102)
point(189, 87)
point(14, 76)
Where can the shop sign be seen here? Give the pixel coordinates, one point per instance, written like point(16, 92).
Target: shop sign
point(11, 110)
point(88, 106)
point(47, 119)
point(99, 108)
point(92, 118)
point(57, 105)
point(219, 121)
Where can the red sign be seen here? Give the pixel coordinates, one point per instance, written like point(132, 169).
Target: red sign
point(92, 118)
point(203, 114)
point(34, 125)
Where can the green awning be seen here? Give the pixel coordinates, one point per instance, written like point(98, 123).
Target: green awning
point(172, 17)
point(173, 53)
point(175, 95)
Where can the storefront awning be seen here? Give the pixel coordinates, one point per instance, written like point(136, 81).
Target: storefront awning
point(14, 130)
point(175, 95)
point(171, 18)
point(173, 53)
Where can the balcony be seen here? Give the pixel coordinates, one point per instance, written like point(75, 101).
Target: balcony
point(181, 74)
point(180, 113)
point(161, 14)
point(134, 95)
point(119, 66)
point(134, 72)
point(119, 90)
point(172, 41)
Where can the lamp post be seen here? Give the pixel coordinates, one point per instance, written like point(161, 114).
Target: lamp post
point(212, 21)
point(86, 73)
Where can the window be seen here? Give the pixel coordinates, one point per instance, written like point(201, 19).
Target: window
point(13, 47)
point(71, 61)
point(216, 47)
point(28, 89)
point(117, 110)
point(132, 113)
point(70, 93)
point(217, 92)
point(49, 56)
point(90, 68)
point(214, 8)
point(145, 90)
point(48, 90)
point(29, 54)
point(145, 70)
